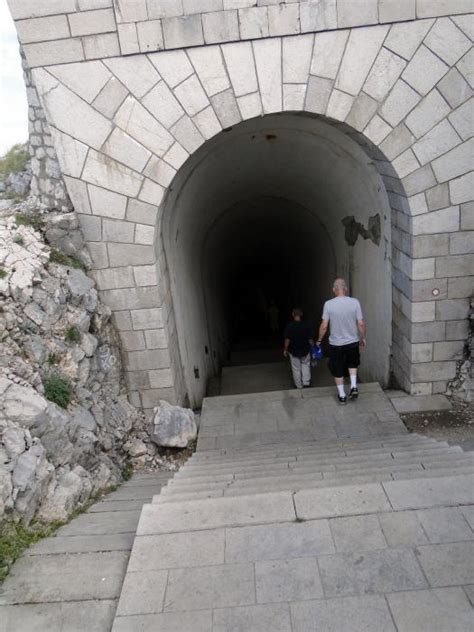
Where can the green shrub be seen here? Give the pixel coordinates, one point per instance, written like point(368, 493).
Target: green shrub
point(14, 160)
point(73, 334)
point(56, 256)
point(35, 221)
point(3, 272)
point(127, 472)
point(58, 389)
point(53, 359)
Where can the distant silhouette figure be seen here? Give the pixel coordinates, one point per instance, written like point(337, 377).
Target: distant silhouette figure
point(273, 316)
point(297, 345)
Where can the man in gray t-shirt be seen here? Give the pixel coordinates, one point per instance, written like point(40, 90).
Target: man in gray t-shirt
point(343, 315)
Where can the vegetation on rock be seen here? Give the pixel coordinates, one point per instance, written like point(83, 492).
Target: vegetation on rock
point(14, 160)
point(58, 389)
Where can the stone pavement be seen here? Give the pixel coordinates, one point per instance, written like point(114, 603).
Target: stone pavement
point(298, 515)
point(71, 582)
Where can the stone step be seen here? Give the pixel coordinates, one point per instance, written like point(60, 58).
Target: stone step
point(309, 473)
point(196, 472)
point(309, 482)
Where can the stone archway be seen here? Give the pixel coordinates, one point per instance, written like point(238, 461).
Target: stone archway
point(124, 126)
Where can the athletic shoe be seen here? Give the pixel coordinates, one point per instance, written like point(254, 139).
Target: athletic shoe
point(306, 385)
point(354, 394)
point(342, 400)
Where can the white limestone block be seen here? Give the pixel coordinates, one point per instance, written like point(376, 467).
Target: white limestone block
point(401, 100)
point(462, 120)
point(130, 10)
point(404, 39)
point(187, 134)
point(92, 22)
point(405, 163)
point(70, 152)
point(454, 88)
point(362, 110)
point(145, 235)
point(361, 51)
point(250, 105)
point(465, 23)
point(294, 95)
point(54, 52)
point(88, 5)
point(160, 171)
point(110, 97)
point(226, 109)
point(107, 203)
point(424, 70)
point(77, 191)
point(339, 105)
point(455, 163)
point(396, 10)
point(429, 111)
point(220, 26)
point(461, 189)
point(136, 73)
point(21, 9)
point(100, 46)
point(207, 122)
point(109, 174)
point(164, 106)
point(238, 4)
point(428, 8)
point(164, 9)
point(141, 212)
point(360, 13)
point(201, 6)
point(176, 155)
point(327, 53)
point(150, 36)
point(466, 67)
point(445, 220)
point(268, 61)
point(447, 41)
point(69, 113)
point(241, 67)
point(134, 119)
point(125, 149)
point(191, 95)
point(297, 53)
point(118, 231)
point(174, 66)
point(161, 378)
point(151, 192)
point(86, 79)
point(42, 29)
point(149, 318)
point(128, 38)
point(436, 142)
point(317, 94)
point(377, 130)
point(253, 23)
point(183, 31)
point(209, 66)
point(283, 19)
point(318, 15)
point(145, 276)
point(384, 73)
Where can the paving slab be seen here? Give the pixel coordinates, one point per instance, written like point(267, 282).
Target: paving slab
point(357, 533)
point(261, 618)
point(287, 580)
point(419, 403)
point(282, 541)
point(116, 505)
point(436, 610)
point(101, 523)
point(386, 570)
point(367, 613)
point(48, 578)
point(216, 512)
point(402, 528)
point(447, 564)
point(198, 621)
point(82, 544)
point(445, 524)
point(449, 490)
point(341, 501)
point(143, 592)
point(93, 616)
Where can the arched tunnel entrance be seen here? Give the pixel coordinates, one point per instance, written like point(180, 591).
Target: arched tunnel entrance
point(267, 213)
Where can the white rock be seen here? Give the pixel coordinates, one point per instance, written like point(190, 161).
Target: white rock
point(172, 426)
point(24, 405)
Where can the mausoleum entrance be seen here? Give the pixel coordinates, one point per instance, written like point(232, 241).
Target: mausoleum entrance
point(270, 211)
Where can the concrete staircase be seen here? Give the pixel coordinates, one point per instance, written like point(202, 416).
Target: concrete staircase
point(296, 514)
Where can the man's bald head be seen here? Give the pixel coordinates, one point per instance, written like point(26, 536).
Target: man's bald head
point(339, 287)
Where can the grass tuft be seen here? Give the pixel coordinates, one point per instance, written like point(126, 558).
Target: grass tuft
point(58, 389)
point(56, 256)
point(73, 335)
point(35, 221)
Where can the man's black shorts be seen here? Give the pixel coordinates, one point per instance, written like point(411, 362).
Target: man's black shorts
point(343, 358)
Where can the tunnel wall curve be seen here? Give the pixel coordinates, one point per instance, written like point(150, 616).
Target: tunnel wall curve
point(123, 126)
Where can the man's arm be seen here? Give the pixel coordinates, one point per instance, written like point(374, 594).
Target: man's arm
point(285, 349)
point(361, 326)
point(322, 330)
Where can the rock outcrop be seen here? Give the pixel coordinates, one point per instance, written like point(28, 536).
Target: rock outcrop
point(172, 426)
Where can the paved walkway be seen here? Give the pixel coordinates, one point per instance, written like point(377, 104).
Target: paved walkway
point(297, 515)
point(71, 582)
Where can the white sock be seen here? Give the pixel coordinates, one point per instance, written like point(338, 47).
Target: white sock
point(340, 390)
point(353, 381)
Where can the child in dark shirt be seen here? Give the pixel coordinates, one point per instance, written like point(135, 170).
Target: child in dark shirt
point(298, 342)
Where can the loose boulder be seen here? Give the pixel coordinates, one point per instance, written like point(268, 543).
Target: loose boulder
point(172, 426)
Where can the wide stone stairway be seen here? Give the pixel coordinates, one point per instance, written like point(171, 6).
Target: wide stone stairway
point(296, 514)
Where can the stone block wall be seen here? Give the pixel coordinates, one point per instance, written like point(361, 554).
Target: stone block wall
point(397, 76)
